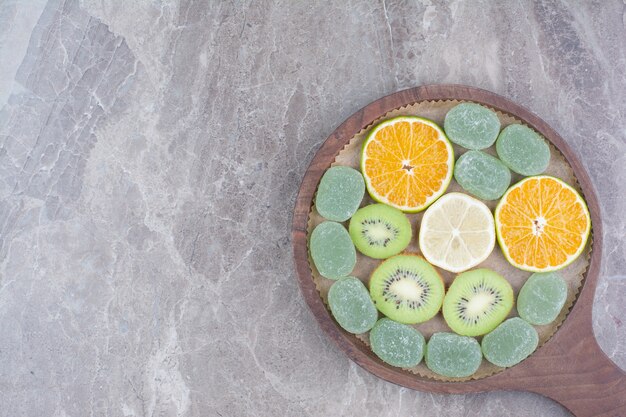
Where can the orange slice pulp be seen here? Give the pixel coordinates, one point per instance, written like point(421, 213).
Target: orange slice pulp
point(542, 224)
point(407, 163)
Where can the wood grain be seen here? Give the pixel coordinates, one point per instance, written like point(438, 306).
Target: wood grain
point(570, 368)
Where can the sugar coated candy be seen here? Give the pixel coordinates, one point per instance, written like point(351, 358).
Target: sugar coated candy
point(332, 250)
point(523, 150)
point(340, 193)
point(397, 344)
point(451, 355)
point(510, 343)
point(472, 126)
point(541, 298)
point(351, 305)
point(482, 175)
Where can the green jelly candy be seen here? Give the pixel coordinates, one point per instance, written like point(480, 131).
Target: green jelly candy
point(482, 175)
point(541, 298)
point(472, 126)
point(451, 355)
point(397, 344)
point(332, 250)
point(352, 306)
point(523, 150)
point(340, 193)
point(510, 343)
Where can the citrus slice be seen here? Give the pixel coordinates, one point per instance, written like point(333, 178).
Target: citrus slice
point(542, 224)
point(457, 232)
point(407, 163)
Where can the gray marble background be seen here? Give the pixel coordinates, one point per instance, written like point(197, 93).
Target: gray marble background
point(150, 155)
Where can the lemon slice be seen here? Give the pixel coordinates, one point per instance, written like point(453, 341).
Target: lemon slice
point(457, 232)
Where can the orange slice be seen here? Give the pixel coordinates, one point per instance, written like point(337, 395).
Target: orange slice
point(407, 163)
point(542, 224)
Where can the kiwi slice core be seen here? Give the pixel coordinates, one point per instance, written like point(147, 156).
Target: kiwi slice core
point(380, 231)
point(477, 302)
point(407, 289)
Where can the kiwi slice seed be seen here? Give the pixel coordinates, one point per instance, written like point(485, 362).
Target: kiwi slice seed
point(380, 231)
point(407, 289)
point(477, 301)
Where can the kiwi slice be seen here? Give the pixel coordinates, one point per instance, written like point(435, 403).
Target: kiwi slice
point(477, 302)
point(380, 231)
point(407, 289)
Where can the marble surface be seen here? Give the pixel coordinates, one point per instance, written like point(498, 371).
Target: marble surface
point(150, 155)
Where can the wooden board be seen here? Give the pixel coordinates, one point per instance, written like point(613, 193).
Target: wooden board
point(570, 368)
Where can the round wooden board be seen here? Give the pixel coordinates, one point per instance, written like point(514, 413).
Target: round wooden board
point(570, 368)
